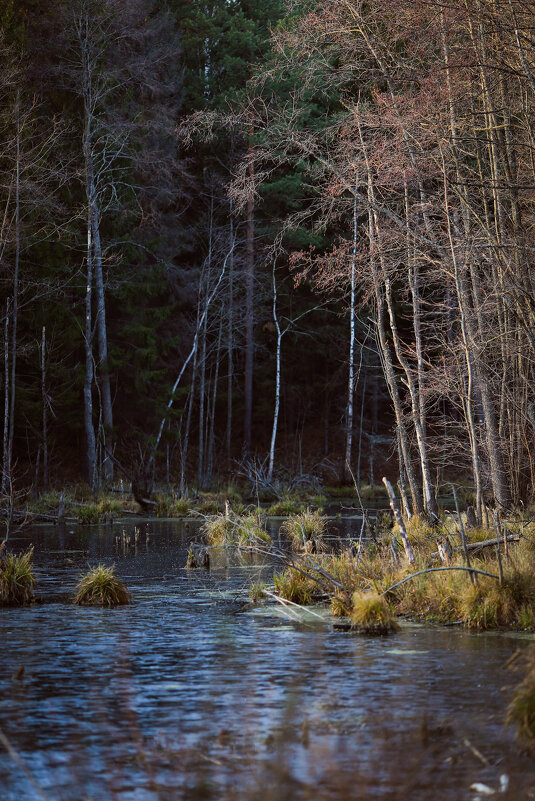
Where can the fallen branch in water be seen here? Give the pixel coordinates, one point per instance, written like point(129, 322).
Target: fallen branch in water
point(438, 570)
point(285, 601)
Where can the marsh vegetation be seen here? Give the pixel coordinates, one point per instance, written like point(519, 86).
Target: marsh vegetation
point(101, 587)
point(17, 580)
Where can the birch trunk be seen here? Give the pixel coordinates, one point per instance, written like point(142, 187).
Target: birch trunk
point(6, 401)
point(249, 314)
point(45, 405)
point(211, 434)
point(351, 372)
point(91, 450)
point(102, 338)
point(230, 349)
point(15, 311)
point(277, 380)
point(202, 391)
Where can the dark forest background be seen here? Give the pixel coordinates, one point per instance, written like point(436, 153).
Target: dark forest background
point(268, 236)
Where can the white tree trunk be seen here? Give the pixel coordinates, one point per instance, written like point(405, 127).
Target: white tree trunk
point(351, 372)
point(277, 380)
point(6, 401)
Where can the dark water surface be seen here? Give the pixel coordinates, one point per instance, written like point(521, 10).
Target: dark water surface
point(189, 693)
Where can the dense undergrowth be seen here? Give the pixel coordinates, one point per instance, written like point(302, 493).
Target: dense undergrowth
point(441, 593)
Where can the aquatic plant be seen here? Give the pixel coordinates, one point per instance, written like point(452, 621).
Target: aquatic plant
point(303, 528)
point(233, 529)
point(285, 507)
point(101, 587)
point(371, 614)
point(211, 505)
point(340, 492)
point(340, 605)
point(88, 514)
point(296, 586)
point(168, 506)
point(16, 578)
point(233, 494)
point(256, 591)
point(521, 709)
point(198, 556)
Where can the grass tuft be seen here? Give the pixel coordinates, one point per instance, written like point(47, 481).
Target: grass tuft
point(88, 515)
point(340, 607)
point(167, 506)
point(295, 586)
point(307, 527)
point(256, 592)
point(16, 578)
point(234, 530)
point(521, 710)
point(101, 587)
point(285, 507)
point(371, 614)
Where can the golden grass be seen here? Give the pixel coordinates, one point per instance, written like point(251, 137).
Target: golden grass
point(16, 578)
point(295, 586)
point(305, 527)
point(444, 597)
point(101, 587)
point(340, 604)
point(234, 530)
point(371, 614)
point(521, 709)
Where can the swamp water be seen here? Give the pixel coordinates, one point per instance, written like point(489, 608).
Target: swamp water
point(190, 693)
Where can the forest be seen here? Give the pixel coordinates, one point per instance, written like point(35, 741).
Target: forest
point(267, 392)
point(281, 238)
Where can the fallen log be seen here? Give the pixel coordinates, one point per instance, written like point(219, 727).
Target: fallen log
point(476, 546)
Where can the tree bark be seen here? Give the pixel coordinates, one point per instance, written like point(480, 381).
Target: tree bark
point(351, 371)
point(277, 380)
point(45, 406)
point(249, 314)
point(5, 471)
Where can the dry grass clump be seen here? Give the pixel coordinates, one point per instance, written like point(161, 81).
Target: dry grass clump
point(340, 604)
point(304, 528)
point(101, 587)
point(296, 586)
point(234, 530)
point(371, 614)
point(417, 528)
point(445, 596)
point(521, 709)
point(451, 596)
point(16, 578)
